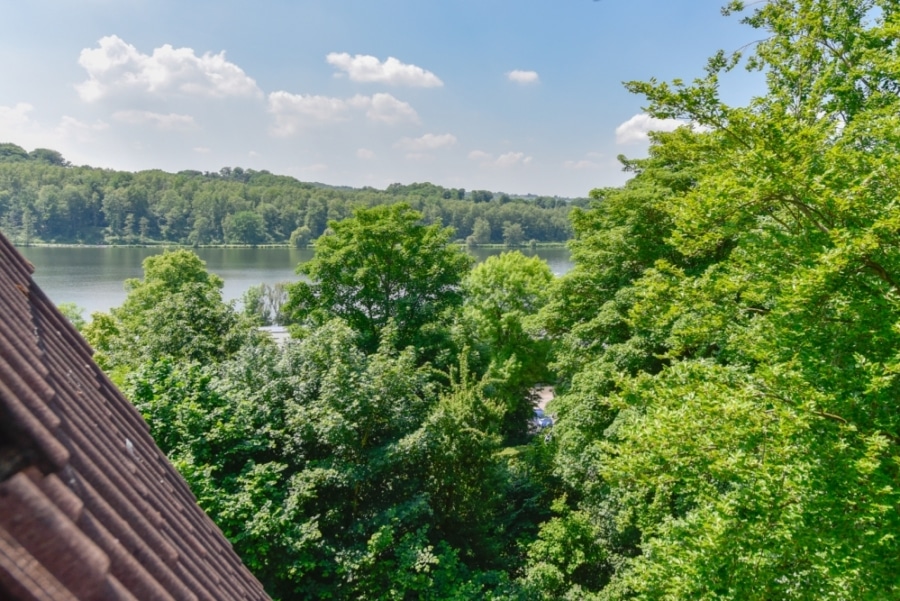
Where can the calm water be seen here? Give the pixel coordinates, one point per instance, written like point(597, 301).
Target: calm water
point(93, 278)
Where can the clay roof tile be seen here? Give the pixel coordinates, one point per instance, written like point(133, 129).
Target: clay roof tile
point(89, 506)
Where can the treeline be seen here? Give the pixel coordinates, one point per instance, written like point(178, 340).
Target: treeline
point(44, 199)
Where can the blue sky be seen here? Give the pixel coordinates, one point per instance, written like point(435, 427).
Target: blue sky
point(519, 96)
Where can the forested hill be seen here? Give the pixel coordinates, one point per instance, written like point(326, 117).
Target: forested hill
point(44, 198)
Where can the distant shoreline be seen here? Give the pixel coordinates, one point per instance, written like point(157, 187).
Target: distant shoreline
point(308, 246)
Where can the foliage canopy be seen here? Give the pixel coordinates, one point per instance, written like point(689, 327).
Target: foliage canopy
point(730, 331)
point(382, 266)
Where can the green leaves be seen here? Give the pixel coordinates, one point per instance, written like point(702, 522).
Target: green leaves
point(730, 335)
point(176, 311)
point(503, 296)
point(566, 555)
point(381, 266)
point(337, 473)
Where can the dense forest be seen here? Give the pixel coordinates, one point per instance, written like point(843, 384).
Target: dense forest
point(726, 354)
point(44, 199)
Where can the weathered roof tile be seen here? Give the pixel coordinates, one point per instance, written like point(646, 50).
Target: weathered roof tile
point(89, 506)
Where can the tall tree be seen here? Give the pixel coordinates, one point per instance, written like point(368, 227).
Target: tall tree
point(245, 227)
point(381, 266)
point(176, 311)
point(481, 231)
point(730, 426)
point(504, 295)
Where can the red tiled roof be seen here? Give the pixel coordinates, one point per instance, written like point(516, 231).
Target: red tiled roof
point(90, 508)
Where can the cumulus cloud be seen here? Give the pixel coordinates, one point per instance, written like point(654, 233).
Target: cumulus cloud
point(509, 159)
point(523, 77)
point(426, 142)
point(512, 158)
point(295, 111)
point(16, 124)
point(13, 118)
point(116, 65)
point(387, 109)
point(172, 121)
point(365, 154)
point(367, 68)
point(637, 128)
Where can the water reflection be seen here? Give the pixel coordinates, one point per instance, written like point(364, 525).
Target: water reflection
point(93, 277)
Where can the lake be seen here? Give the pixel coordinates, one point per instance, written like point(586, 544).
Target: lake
point(93, 277)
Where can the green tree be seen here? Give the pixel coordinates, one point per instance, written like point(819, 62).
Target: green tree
point(316, 217)
point(481, 195)
point(12, 153)
point(144, 229)
point(74, 314)
point(176, 311)
point(73, 204)
point(336, 473)
point(115, 208)
point(729, 424)
point(566, 558)
point(381, 266)
point(245, 227)
point(513, 234)
point(454, 454)
point(301, 237)
point(27, 226)
point(51, 157)
point(503, 296)
point(265, 304)
point(481, 231)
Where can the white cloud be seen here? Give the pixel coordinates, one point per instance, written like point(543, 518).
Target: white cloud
point(509, 159)
point(366, 68)
point(172, 121)
point(365, 154)
point(387, 109)
point(637, 128)
point(294, 111)
point(512, 158)
point(202, 149)
point(72, 128)
point(16, 125)
point(426, 142)
point(523, 77)
point(116, 65)
point(15, 118)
